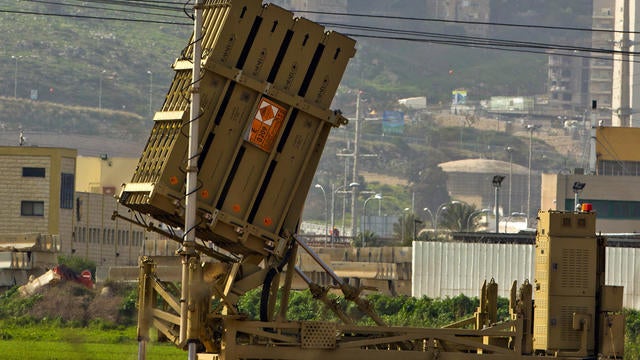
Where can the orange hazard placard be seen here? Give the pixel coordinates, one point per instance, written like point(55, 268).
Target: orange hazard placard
point(266, 124)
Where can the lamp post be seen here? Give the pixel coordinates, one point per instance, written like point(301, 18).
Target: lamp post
point(404, 225)
point(473, 215)
point(100, 90)
point(531, 128)
point(509, 150)
point(364, 214)
point(430, 214)
point(333, 207)
point(577, 189)
point(354, 209)
point(415, 228)
point(326, 214)
point(442, 207)
point(150, 92)
point(497, 181)
point(15, 76)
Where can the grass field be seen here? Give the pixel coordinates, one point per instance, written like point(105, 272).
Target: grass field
point(62, 350)
point(55, 342)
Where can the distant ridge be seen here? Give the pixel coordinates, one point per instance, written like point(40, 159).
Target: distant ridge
point(87, 145)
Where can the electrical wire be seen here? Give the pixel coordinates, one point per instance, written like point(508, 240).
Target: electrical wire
point(91, 17)
point(128, 11)
point(608, 148)
point(474, 39)
point(471, 45)
point(126, 3)
point(404, 18)
point(370, 32)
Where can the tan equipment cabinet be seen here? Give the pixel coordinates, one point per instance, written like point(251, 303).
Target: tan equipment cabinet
point(565, 282)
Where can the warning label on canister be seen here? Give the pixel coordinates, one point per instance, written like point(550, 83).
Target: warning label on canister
point(266, 124)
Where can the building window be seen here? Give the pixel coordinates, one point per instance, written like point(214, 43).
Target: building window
point(611, 209)
point(33, 172)
point(32, 208)
point(67, 185)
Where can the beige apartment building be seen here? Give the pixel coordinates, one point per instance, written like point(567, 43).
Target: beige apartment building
point(37, 187)
point(103, 174)
point(97, 235)
point(53, 196)
point(612, 186)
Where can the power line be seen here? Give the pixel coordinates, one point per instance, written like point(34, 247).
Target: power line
point(103, 8)
point(481, 46)
point(455, 40)
point(532, 26)
point(92, 17)
point(475, 39)
point(158, 5)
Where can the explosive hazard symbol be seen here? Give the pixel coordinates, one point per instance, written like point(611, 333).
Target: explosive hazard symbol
point(266, 124)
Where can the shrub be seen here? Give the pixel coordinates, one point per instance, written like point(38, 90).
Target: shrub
point(78, 264)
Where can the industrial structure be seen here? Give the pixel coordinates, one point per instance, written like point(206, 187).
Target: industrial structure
point(470, 180)
point(237, 184)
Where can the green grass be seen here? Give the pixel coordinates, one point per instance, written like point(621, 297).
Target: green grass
point(17, 349)
point(52, 341)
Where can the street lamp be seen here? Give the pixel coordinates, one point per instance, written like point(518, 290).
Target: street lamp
point(100, 90)
point(354, 208)
point(404, 225)
point(150, 92)
point(415, 228)
point(333, 196)
point(531, 128)
point(473, 215)
point(497, 181)
point(442, 207)
point(15, 76)
point(577, 189)
point(326, 214)
point(430, 214)
point(509, 150)
point(364, 214)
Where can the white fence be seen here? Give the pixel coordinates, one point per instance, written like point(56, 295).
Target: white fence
point(447, 269)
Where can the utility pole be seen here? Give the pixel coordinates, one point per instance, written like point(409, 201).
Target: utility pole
point(188, 252)
point(354, 176)
point(531, 128)
point(497, 182)
point(355, 190)
point(509, 150)
point(620, 100)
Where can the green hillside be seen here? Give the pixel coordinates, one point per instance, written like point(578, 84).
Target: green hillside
point(88, 55)
point(78, 72)
point(86, 62)
point(43, 116)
